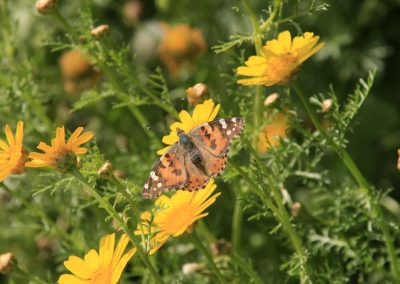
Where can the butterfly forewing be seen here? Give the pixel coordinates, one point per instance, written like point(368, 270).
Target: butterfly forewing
point(168, 173)
point(216, 136)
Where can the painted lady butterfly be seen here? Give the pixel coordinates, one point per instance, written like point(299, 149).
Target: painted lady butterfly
point(198, 156)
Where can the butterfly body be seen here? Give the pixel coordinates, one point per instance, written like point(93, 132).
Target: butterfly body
point(196, 157)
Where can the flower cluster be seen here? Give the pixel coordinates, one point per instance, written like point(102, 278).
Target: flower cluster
point(60, 155)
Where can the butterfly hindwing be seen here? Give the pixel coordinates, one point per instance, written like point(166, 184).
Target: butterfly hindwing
point(197, 178)
point(168, 173)
point(216, 136)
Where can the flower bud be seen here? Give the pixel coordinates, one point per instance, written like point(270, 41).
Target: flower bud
point(132, 11)
point(271, 99)
point(221, 247)
point(100, 31)
point(326, 105)
point(191, 267)
point(45, 6)
point(106, 171)
point(7, 261)
point(295, 209)
point(196, 93)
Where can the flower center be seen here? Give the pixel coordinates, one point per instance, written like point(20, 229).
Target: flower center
point(102, 276)
point(65, 161)
point(282, 68)
point(20, 164)
point(178, 218)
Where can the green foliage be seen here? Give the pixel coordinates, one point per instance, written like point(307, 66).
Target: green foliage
point(300, 212)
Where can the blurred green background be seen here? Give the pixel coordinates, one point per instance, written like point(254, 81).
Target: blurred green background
point(359, 35)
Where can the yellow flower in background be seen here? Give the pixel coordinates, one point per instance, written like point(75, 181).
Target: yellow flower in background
point(172, 216)
point(12, 154)
point(279, 60)
point(273, 132)
point(60, 155)
point(202, 113)
point(104, 267)
point(180, 45)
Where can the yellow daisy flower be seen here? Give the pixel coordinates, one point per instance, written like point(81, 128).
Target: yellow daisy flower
point(202, 113)
point(174, 215)
point(273, 132)
point(12, 154)
point(279, 60)
point(104, 267)
point(60, 155)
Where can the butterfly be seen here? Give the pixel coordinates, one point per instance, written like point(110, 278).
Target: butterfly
point(196, 157)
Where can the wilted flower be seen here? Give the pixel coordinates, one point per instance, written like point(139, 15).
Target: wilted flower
point(279, 59)
point(191, 267)
point(180, 45)
point(295, 209)
point(106, 170)
point(105, 267)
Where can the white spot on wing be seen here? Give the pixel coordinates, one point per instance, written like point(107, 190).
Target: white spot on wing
point(234, 119)
point(146, 186)
point(153, 176)
point(159, 184)
point(223, 123)
point(228, 132)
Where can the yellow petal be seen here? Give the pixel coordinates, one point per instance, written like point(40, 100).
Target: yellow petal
point(106, 249)
point(9, 135)
point(20, 132)
point(257, 81)
point(256, 70)
point(71, 279)
point(78, 267)
point(119, 250)
point(186, 119)
point(163, 150)
point(255, 60)
point(311, 52)
point(117, 271)
point(92, 259)
point(285, 40)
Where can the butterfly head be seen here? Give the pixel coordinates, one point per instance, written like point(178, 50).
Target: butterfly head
point(183, 137)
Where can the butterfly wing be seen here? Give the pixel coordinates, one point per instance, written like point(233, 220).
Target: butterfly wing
point(213, 141)
point(168, 173)
point(197, 177)
point(216, 136)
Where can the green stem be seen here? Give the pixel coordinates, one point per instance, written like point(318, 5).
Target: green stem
point(237, 226)
point(113, 213)
point(199, 245)
point(282, 216)
point(362, 182)
point(47, 222)
point(255, 26)
point(237, 259)
point(267, 24)
point(27, 276)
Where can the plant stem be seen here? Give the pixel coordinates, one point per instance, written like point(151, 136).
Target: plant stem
point(113, 213)
point(237, 259)
point(27, 276)
point(199, 245)
point(255, 26)
point(282, 216)
point(362, 182)
point(237, 226)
